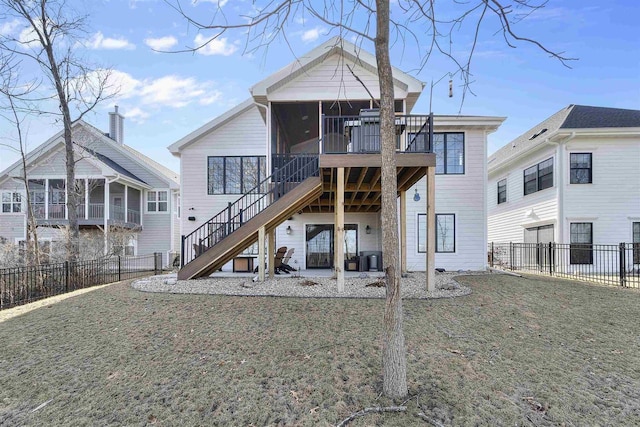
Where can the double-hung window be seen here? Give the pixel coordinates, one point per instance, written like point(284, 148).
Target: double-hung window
point(445, 233)
point(538, 177)
point(11, 202)
point(234, 174)
point(157, 201)
point(581, 247)
point(580, 168)
point(449, 151)
point(502, 191)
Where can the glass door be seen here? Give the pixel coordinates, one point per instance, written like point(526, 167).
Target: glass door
point(319, 240)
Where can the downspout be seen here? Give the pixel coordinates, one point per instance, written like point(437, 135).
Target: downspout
point(560, 182)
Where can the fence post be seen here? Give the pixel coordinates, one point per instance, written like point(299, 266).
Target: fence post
point(119, 269)
point(511, 255)
point(623, 264)
point(491, 260)
point(66, 276)
point(155, 262)
point(550, 258)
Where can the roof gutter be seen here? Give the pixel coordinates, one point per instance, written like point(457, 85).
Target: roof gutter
point(560, 182)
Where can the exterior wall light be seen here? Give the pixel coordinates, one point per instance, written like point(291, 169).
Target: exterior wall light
point(367, 229)
point(288, 229)
point(416, 196)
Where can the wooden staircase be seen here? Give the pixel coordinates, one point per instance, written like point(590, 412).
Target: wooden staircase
point(226, 235)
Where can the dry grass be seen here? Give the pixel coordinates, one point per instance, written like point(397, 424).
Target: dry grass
point(518, 351)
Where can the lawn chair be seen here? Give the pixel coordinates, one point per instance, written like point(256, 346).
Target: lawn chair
point(285, 262)
point(277, 260)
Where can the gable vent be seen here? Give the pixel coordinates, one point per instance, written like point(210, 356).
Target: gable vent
point(535, 135)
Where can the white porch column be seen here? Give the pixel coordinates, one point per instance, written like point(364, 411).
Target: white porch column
point(431, 229)
point(339, 244)
point(106, 216)
point(46, 198)
point(261, 257)
point(66, 199)
point(86, 198)
point(126, 205)
point(320, 124)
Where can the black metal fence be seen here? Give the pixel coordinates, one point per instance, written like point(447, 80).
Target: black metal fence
point(21, 285)
point(617, 265)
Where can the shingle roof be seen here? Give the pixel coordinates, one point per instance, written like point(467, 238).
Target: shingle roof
point(148, 160)
point(585, 117)
point(571, 117)
point(113, 165)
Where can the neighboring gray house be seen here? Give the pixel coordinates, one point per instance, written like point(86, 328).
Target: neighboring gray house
point(571, 179)
point(120, 189)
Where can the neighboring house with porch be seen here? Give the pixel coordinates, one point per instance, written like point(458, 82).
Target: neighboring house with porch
point(120, 190)
point(572, 179)
point(298, 162)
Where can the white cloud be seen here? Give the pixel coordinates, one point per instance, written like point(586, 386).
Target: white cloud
point(312, 34)
point(99, 41)
point(9, 28)
point(137, 115)
point(219, 46)
point(161, 43)
point(299, 20)
point(220, 3)
point(166, 91)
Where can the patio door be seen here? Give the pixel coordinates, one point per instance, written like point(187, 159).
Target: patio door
point(537, 252)
point(319, 241)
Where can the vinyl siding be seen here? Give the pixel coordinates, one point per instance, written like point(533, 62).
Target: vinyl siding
point(612, 201)
point(330, 81)
point(155, 235)
point(245, 135)
point(507, 221)
point(56, 165)
point(12, 226)
point(462, 195)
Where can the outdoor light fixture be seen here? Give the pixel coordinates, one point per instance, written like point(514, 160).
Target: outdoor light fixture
point(416, 197)
point(288, 229)
point(367, 229)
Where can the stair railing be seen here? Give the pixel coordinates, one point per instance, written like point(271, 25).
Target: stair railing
point(254, 201)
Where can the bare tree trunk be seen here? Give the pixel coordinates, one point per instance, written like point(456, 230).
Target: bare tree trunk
point(393, 353)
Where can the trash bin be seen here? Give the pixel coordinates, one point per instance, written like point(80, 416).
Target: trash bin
point(373, 262)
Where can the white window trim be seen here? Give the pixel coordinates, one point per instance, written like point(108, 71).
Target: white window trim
point(22, 202)
point(455, 233)
point(157, 191)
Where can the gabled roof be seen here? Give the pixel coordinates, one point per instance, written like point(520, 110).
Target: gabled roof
point(574, 118)
point(168, 173)
point(210, 126)
point(332, 46)
point(52, 143)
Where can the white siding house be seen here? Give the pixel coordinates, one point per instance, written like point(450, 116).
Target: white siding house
point(119, 189)
point(588, 187)
point(290, 112)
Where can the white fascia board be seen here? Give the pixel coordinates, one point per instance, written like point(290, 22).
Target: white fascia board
point(210, 126)
point(488, 123)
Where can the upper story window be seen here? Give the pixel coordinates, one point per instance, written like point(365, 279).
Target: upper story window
point(538, 177)
point(11, 202)
point(157, 201)
point(502, 191)
point(234, 174)
point(580, 168)
point(449, 151)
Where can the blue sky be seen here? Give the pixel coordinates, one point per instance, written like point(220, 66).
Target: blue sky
point(166, 96)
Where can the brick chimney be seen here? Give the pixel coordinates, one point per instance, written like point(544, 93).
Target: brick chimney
point(116, 126)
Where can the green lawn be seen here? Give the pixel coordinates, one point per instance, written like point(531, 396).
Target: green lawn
point(518, 351)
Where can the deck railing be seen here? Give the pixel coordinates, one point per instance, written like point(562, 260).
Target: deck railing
point(361, 134)
point(284, 179)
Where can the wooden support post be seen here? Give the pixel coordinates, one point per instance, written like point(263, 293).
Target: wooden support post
point(261, 257)
point(271, 250)
point(339, 242)
point(431, 229)
point(403, 232)
point(106, 209)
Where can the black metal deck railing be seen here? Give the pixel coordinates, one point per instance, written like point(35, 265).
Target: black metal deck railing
point(617, 265)
point(361, 134)
point(284, 179)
